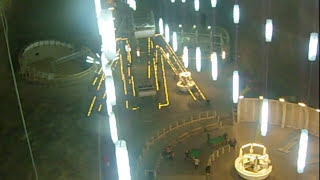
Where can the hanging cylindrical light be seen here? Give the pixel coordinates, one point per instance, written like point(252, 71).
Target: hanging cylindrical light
point(213, 3)
point(132, 4)
point(113, 127)
point(122, 160)
point(264, 117)
point(302, 154)
point(269, 30)
point(167, 33)
point(196, 5)
point(172, 1)
point(214, 66)
point(185, 57)
point(174, 41)
point(198, 59)
point(313, 46)
point(183, 1)
point(161, 26)
point(110, 90)
point(223, 55)
point(235, 86)
point(236, 13)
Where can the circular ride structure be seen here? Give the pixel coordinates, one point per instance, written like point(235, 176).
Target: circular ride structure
point(185, 82)
point(51, 61)
point(252, 165)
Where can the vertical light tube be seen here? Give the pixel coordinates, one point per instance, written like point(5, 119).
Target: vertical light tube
point(122, 160)
point(183, 1)
point(302, 154)
point(172, 1)
point(110, 90)
point(264, 117)
point(97, 4)
point(213, 3)
point(269, 30)
point(236, 13)
point(235, 86)
point(167, 33)
point(198, 59)
point(132, 4)
point(196, 5)
point(161, 26)
point(185, 57)
point(174, 41)
point(313, 46)
point(113, 127)
point(223, 55)
point(214, 66)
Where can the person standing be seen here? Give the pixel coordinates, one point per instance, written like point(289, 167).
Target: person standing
point(196, 163)
point(208, 170)
point(186, 154)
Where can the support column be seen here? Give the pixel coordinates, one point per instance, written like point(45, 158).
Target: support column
point(239, 110)
point(284, 113)
point(307, 114)
point(254, 111)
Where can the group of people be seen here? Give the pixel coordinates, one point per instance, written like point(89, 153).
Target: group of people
point(196, 161)
point(168, 153)
point(232, 143)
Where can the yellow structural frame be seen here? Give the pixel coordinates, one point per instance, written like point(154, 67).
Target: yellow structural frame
point(165, 85)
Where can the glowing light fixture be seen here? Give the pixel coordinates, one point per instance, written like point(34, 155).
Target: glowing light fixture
point(264, 117)
point(281, 100)
point(318, 110)
point(209, 27)
point(138, 53)
point(132, 4)
point(97, 4)
point(122, 160)
point(223, 55)
point(302, 104)
point(313, 46)
point(167, 33)
point(180, 25)
point(302, 154)
point(213, 3)
point(214, 66)
point(183, 1)
point(113, 127)
point(89, 61)
point(110, 90)
point(194, 26)
point(185, 57)
point(261, 97)
point(128, 49)
point(241, 97)
point(269, 30)
point(235, 86)
point(174, 41)
point(161, 26)
point(236, 13)
point(172, 1)
point(196, 5)
point(98, 55)
point(89, 57)
point(198, 59)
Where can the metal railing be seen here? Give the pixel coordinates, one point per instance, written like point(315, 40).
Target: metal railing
point(172, 128)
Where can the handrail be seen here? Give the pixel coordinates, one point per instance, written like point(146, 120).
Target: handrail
point(172, 127)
